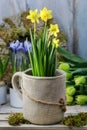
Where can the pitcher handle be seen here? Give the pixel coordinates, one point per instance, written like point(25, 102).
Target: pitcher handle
point(15, 83)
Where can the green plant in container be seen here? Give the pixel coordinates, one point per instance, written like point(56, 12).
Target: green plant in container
point(19, 62)
point(43, 80)
point(43, 57)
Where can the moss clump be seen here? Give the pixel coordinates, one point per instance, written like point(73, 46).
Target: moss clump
point(9, 22)
point(71, 121)
point(62, 37)
point(75, 120)
point(16, 33)
point(5, 35)
point(8, 76)
point(17, 119)
point(26, 22)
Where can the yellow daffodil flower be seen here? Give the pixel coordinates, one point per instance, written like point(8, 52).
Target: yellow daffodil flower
point(33, 16)
point(55, 42)
point(54, 29)
point(45, 14)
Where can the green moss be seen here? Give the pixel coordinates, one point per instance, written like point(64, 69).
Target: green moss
point(75, 120)
point(9, 21)
point(62, 37)
point(16, 33)
point(27, 24)
point(5, 35)
point(17, 119)
point(71, 121)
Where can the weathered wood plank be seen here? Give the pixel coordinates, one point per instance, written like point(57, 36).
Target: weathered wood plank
point(4, 117)
point(38, 127)
point(8, 109)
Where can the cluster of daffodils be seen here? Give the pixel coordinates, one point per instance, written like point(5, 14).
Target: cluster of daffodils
point(43, 57)
point(45, 15)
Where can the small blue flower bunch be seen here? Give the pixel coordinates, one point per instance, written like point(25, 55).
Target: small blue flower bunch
point(19, 55)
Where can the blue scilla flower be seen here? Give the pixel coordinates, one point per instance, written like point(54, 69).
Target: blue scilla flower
point(27, 46)
point(14, 45)
point(17, 46)
point(20, 47)
point(19, 55)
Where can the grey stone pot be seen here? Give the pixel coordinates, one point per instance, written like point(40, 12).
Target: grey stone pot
point(15, 100)
point(43, 97)
point(3, 93)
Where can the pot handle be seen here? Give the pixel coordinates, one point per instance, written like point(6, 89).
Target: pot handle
point(15, 83)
